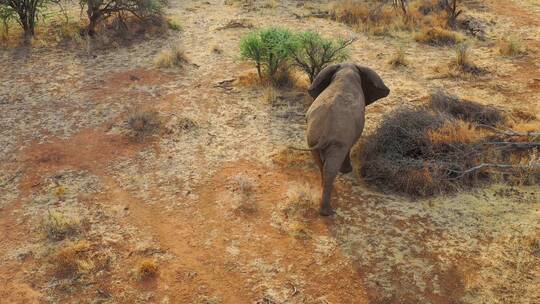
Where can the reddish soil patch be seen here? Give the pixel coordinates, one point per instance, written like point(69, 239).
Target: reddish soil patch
point(90, 149)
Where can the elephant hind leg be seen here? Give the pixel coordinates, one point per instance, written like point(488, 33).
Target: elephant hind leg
point(333, 159)
point(317, 157)
point(346, 167)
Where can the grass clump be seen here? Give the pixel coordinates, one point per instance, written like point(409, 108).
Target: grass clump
point(171, 57)
point(174, 24)
point(143, 123)
point(398, 59)
point(71, 259)
point(443, 146)
point(437, 36)
point(147, 270)
point(58, 225)
point(511, 47)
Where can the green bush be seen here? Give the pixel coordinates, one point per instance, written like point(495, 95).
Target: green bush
point(314, 52)
point(270, 49)
point(25, 12)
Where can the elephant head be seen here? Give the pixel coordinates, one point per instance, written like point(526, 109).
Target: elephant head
point(372, 85)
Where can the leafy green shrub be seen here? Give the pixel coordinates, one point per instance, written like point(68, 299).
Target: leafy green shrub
point(314, 53)
point(6, 15)
point(270, 49)
point(25, 12)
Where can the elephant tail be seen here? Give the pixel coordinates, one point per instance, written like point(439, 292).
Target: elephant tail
point(318, 146)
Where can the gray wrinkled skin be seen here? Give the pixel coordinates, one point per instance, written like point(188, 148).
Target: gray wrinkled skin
point(336, 119)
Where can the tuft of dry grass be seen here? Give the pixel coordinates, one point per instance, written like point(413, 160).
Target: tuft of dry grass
point(71, 259)
point(147, 269)
point(270, 95)
point(288, 157)
point(174, 24)
point(398, 59)
point(58, 225)
point(244, 187)
point(437, 36)
point(143, 123)
point(511, 47)
point(300, 205)
point(171, 57)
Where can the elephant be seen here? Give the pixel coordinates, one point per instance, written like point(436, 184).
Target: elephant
point(335, 119)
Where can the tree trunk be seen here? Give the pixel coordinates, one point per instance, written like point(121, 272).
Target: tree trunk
point(93, 16)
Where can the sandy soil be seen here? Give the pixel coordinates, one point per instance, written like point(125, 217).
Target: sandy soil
point(224, 215)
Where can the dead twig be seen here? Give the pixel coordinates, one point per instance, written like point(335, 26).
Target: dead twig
point(294, 290)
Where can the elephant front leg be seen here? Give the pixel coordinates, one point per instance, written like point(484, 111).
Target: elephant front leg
point(333, 159)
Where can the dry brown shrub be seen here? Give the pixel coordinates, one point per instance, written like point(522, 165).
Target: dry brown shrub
point(144, 122)
point(147, 269)
point(171, 57)
point(442, 146)
point(71, 259)
point(466, 110)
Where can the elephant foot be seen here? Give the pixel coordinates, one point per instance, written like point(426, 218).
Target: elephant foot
point(326, 211)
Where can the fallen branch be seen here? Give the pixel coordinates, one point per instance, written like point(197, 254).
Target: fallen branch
point(489, 165)
point(509, 132)
point(531, 144)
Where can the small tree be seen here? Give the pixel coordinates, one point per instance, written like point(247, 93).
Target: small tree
point(452, 11)
point(26, 12)
point(269, 49)
point(314, 52)
point(98, 10)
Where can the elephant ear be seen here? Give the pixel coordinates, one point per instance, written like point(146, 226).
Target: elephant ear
point(372, 84)
point(323, 80)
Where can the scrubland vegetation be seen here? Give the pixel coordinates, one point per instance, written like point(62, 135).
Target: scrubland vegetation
point(148, 153)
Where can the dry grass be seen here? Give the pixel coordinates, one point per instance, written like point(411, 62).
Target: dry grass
point(250, 79)
point(433, 148)
point(244, 187)
point(143, 123)
point(174, 24)
point(147, 269)
point(288, 157)
point(71, 259)
point(466, 110)
point(270, 95)
point(398, 59)
point(437, 36)
point(57, 225)
point(455, 132)
point(300, 205)
point(171, 57)
point(511, 47)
